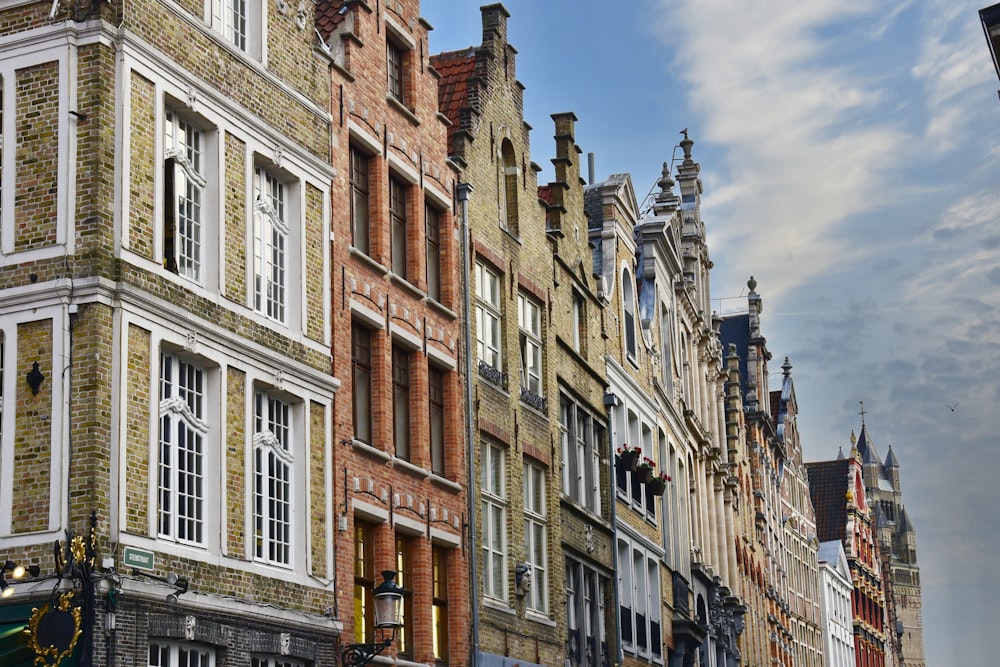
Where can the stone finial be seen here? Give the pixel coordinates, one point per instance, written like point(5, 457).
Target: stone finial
point(787, 368)
point(752, 284)
point(686, 144)
point(666, 183)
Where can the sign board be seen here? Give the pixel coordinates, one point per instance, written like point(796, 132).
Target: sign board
point(139, 558)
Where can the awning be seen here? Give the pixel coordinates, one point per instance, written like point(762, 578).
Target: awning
point(14, 652)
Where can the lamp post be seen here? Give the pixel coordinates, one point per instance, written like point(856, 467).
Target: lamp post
point(388, 619)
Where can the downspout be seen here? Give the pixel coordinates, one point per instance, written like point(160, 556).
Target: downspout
point(462, 191)
point(610, 400)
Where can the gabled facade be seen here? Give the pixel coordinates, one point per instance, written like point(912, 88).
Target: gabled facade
point(843, 513)
point(399, 458)
point(544, 593)
point(165, 269)
point(898, 544)
point(835, 592)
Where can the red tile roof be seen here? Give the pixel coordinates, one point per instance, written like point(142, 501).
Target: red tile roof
point(455, 68)
point(329, 15)
point(545, 193)
point(828, 485)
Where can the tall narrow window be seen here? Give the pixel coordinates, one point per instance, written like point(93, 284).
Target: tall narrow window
point(439, 613)
point(529, 320)
point(585, 590)
point(270, 224)
point(401, 401)
point(184, 186)
point(628, 308)
point(181, 464)
point(230, 18)
point(579, 332)
point(535, 539)
point(360, 236)
point(397, 219)
point(435, 391)
point(432, 234)
point(494, 498)
point(509, 186)
point(582, 438)
point(488, 345)
point(404, 569)
point(272, 479)
point(361, 382)
point(395, 59)
point(364, 581)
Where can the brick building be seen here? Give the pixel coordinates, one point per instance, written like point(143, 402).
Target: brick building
point(166, 173)
point(399, 456)
point(544, 594)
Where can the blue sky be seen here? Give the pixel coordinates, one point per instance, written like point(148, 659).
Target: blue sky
point(851, 164)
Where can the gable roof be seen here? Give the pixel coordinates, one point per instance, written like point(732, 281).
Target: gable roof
point(329, 15)
point(455, 68)
point(828, 486)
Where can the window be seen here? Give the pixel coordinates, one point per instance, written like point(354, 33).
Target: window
point(535, 538)
point(395, 58)
point(397, 218)
point(435, 396)
point(180, 469)
point(401, 401)
point(239, 23)
point(172, 654)
point(364, 581)
point(184, 193)
point(494, 498)
point(439, 612)
point(404, 569)
point(628, 306)
point(272, 479)
point(488, 317)
point(579, 332)
point(360, 232)
point(582, 441)
point(361, 382)
point(587, 644)
point(508, 186)
point(529, 321)
point(639, 590)
point(270, 234)
point(258, 661)
point(630, 488)
point(432, 234)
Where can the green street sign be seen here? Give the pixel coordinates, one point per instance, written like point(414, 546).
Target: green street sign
point(139, 558)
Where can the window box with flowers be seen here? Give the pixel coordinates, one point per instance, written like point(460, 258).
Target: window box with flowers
point(628, 457)
point(644, 471)
point(658, 483)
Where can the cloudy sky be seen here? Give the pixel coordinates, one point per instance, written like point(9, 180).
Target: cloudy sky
point(850, 153)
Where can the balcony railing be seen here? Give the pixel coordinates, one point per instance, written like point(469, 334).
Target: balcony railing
point(532, 399)
point(493, 375)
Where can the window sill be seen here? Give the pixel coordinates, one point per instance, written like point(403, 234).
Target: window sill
point(498, 605)
point(407, 286)
point(445, 483)
point(365, 448)
point(539, 617)
point(402, 108)
point(403, 464)
point(365, 258)
point(441, 308)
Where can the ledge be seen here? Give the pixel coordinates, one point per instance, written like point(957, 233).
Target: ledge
point(402, 108)
point(365, 448)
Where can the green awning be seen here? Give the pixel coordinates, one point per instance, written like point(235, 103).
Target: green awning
point(14, 651)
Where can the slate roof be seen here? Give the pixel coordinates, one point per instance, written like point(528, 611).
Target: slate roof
point(736, 330)
point(890, 459)
point(867, 448)
point(329, 15)
point(455, 68)
point(828, 486)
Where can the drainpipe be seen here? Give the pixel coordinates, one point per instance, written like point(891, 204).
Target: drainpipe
point(610, 401)
point(462, 191)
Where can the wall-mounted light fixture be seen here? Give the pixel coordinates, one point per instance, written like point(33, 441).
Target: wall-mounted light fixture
point(388, 621)
point(17, 571)
point(180, 584)
point(35, 379)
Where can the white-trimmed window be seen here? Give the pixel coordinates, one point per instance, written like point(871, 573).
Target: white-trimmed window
point(628, 313)
point(239, 22)
point(184, 197)
point(536, 537)
point(272, 479)
point(579, 332)
point(271, 239)
point(268, 661)
point(179, 654)
point(529, 322)
point(587, 644)
point(488, 317)
point(582, 437)
point(639, 605)
point(181, 461)
point(494, 503)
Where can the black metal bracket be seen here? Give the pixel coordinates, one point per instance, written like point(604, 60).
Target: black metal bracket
point(359, 655)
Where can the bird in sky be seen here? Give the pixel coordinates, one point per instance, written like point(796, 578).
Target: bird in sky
point(951, 407)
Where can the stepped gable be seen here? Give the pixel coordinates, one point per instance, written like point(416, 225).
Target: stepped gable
point(828, 487)
point(455, 68)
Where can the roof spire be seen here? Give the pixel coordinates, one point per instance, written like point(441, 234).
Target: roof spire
point(862, 413)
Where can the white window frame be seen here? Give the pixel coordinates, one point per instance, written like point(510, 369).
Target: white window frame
point(170, 652)
point(183, 411)
point(639, 596)
point(581, 452)
point(186, 146)
point(272, 479)
point(529, 322)
point(240, 23)
point(271, 661)
point(630, 332)
point(585, 596)
point(272, 211)
point(494, 516)
point(489, 318)
point(536, 537)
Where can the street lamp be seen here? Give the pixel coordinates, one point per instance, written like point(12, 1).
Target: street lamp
point(388, 620)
